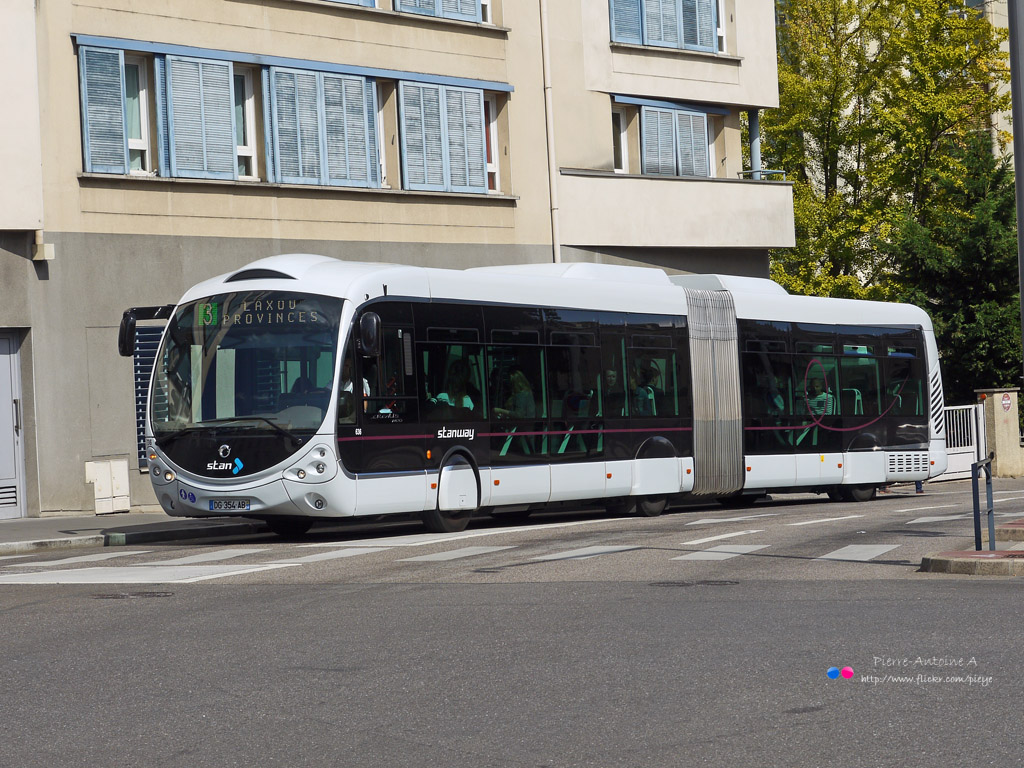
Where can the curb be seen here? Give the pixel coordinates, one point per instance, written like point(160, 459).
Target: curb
point(1007, 531)
point(131, 538)
point(971, 563)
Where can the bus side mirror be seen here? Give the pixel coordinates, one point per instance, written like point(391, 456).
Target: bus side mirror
point(126, 334)
point(369, 334)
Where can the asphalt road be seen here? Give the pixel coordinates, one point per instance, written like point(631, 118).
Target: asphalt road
point(575, 641)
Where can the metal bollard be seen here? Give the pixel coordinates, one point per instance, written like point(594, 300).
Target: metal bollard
point(985, 464)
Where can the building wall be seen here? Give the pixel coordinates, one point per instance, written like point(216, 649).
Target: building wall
point(120, 241)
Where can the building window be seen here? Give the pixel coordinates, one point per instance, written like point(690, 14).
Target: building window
point(324, 128)
point(620, 141)
point(442, 133)
point(245, 122)
point(101, 77)
point(674, 142)
point(491, 135)
point(137, 114)
point(486, 12)
point(462, 10)
point(688, 24)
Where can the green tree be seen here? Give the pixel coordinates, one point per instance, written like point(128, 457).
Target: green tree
point(877, 99)
point(958, 260)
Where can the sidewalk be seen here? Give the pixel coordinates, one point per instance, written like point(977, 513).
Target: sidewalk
point(31, 534)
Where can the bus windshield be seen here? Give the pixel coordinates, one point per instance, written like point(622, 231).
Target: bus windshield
point(258, 363)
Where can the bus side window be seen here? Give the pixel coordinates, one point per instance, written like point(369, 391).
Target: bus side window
point(391, 378)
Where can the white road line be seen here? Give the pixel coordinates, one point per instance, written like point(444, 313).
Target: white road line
point(12, 557)
point(419, 539)
point(922, 509)
point(718, 538)
point(454, 554)
point(723, 552)
point(348, 552)
point(825, 520)
point(1012, 498)
point(137, 574)
point(79, 559)
point(731, 519)
point(584, 553)
point(206, 557)
point(859, 552)
point(938, 519)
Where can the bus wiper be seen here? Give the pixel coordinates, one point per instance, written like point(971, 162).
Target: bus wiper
point(274, 424)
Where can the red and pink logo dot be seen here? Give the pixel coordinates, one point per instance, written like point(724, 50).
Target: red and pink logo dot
point(835, 672)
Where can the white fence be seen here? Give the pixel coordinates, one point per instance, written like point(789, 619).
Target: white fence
point(965, 439)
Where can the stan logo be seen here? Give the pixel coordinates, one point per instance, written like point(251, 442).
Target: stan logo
point(447, 434)
point(220, 466)
point(224, 451)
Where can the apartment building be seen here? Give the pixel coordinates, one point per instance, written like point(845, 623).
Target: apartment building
point(148, 146)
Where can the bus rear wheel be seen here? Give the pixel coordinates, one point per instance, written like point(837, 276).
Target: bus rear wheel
point(858, 492)
point(651, 506)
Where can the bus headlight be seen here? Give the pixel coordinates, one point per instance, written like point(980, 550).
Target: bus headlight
point(168, 476)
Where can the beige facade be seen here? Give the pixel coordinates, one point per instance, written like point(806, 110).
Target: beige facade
point(564, 120)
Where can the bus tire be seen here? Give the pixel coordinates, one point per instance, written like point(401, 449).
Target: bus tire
point(651, 506)
point(439, 520)
point(289, 526)
point(859, 492)
point(836, 494)
point(739, 501)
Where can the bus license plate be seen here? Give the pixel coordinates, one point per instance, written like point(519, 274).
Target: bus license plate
point(229, 505)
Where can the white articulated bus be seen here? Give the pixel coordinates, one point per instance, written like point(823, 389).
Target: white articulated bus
point(302, 387)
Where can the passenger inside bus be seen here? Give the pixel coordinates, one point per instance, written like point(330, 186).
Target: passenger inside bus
point(456, 394)
point(520, 404)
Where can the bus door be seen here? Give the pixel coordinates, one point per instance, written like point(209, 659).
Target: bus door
point(379, 430)
point(575, 445)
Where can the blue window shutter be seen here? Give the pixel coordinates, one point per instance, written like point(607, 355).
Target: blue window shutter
point(692, 143)
point(707, 24)
point(465, 10)
point(625, 21)
point(295, 101)
point(661, 23)
point(421, 128)
point(372, 150)
point(345, 130)
point(657, 141)
point(268, 127)
point(201, 118)
point(700, 145)
point(467, 151)
point(426, 7)
point(163, 141)
point(699, 24)
point(101, 73)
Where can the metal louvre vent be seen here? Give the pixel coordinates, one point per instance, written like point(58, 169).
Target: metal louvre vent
point(906, 463)
point(8, 496)
point(938, 421)
point(147, 340)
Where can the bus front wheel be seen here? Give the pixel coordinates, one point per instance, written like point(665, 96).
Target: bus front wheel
point(651, 506)
point(858, 492)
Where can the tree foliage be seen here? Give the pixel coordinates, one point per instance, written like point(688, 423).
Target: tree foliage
point(878, 99)
point(958, 259)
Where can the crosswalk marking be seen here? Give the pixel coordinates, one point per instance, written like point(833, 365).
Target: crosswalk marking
point(723, 552)
point(79, 559)
point(707, 520)
point(825, 520)
point(206, 557)
point(719, 537)
point(453, 554)
point(860, 552)
point(584, 553)
point(334, 555)
point(420, 539)
point(136, 574)
point(937, 519)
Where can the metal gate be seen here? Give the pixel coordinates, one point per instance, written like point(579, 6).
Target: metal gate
point(965, 439)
